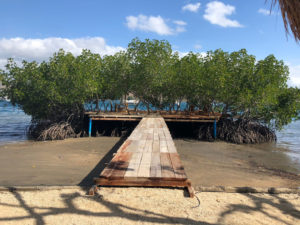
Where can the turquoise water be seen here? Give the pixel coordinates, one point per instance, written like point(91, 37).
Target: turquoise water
point(107, 104)
point(14, 122)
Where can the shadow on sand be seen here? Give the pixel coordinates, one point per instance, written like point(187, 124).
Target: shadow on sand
point(260, 205)
point(88, 179)
point(116, 210)
point(132, 214)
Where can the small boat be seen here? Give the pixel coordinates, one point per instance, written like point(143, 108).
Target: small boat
point(132, 102)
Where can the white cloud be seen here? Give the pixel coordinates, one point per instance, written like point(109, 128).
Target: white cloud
point(182, 54)
point(294, 75)
point(180, 29)
point(192, 7)
point(180, 26)
point(42, 49)
point(155, 24)
point(197, 46)
point(266, 12)
point(179, 22)
point(216, 13)
point(3, 62)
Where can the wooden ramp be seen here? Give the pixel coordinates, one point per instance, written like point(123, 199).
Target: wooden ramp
point(147, 158)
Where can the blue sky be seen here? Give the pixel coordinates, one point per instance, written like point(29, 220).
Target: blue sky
point(33, 30)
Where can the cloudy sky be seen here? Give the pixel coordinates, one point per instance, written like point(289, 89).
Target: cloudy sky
point(34, 29)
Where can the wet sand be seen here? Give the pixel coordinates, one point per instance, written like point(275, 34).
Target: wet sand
point(225, 164)
point(67, 162)
point(77, 161)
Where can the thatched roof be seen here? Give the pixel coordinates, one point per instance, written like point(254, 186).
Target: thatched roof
point(290, 11)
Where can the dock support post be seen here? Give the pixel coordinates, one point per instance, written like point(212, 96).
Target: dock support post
point(215, 129)
point(90, 127)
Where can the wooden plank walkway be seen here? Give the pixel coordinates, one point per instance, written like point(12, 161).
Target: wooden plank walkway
point(147, 158)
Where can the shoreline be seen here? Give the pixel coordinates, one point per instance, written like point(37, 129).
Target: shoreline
point(207, 164)
point(39, 185)
point(222, 189)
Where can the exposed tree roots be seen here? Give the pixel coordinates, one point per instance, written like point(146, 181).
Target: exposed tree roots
point(239, 131)
point(45, 130)
point(113, 129)
point(58, 131)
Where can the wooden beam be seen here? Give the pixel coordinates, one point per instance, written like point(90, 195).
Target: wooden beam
point(117, 119)
point(189, 120)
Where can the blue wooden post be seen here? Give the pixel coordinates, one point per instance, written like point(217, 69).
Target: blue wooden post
point(215, 129)
point(90, 128)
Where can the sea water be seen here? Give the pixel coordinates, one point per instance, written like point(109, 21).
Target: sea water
point(14, 123)
point(289, 138)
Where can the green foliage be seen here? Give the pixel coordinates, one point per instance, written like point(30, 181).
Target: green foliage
point(51, 90)
point(287, 107)
point(231, 83)
point(151, 65)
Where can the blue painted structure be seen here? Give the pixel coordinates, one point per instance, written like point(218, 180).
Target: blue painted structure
point(90, 127)
point(215, 129)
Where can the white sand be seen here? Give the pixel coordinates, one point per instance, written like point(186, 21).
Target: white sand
point(146, 206)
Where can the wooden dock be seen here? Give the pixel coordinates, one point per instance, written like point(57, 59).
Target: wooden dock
point(147, 158)
point(191, 118)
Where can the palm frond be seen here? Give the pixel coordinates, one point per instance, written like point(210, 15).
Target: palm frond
point(290, 11)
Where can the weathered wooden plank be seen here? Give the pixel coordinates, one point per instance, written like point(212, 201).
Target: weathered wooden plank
point(166, 165)
point(141, 182)
point(117, 119)
point(148, 146)
point(124, 145)
point(171, 146)
point(121, 165)
point(144, 169)
point(155, 147)
point(155, 169)
point(133, 147)
point(134, 164)
point(144, 136)
point(141, 146)
point(163, 146)
point(112, 164)
point(155, 135)
point(135, 135)
point(167, 134)
point(177, 166)
point(150, 135)
point(161, 133)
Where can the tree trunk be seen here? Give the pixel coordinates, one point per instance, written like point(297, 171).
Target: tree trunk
point(111, 106)
point(97, 104)
point(137, 105)
point(178, 106)
point(105, 107)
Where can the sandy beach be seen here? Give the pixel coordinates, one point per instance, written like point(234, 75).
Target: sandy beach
point(146, 206)
point(76, 161)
